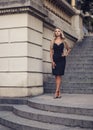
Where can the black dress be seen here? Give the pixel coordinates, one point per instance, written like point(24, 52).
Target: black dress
point(59, 60)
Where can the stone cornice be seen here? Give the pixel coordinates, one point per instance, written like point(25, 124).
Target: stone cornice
point(25, 6)
point(63, 5)
point(67, 7)
point(69, 36)
point(60, 8)
point(21, 6)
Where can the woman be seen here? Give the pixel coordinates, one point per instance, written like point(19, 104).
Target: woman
point(58, 60)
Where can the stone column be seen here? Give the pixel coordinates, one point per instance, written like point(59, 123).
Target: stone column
point(21, 34)
point(77, 24)
point(73, 3)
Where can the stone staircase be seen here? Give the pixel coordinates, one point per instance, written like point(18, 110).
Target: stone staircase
point(78, 76)
point(45, 113)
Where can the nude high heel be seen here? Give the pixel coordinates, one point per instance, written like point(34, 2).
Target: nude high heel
point(59, 95)
point(56, 94)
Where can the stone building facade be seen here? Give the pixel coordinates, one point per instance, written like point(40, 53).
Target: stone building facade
point(26, 29)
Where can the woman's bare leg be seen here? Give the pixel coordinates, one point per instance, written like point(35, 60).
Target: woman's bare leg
point(58, 84)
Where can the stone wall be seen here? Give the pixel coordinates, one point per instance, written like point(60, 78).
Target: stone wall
point(26, 29)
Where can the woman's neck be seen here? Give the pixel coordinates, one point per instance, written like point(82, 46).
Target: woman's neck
point(58, 38)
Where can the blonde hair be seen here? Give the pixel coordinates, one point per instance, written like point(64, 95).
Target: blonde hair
point(61, 34)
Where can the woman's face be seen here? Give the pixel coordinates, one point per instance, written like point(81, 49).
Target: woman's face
point(57, 32)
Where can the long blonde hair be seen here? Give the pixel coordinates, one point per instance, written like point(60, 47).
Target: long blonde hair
point(61, 34)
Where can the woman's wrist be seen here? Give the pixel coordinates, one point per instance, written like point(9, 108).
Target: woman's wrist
point(52, 61)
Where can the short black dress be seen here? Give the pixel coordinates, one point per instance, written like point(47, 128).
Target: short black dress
point(59, 60)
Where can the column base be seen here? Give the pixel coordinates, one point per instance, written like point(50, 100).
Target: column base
point(20, 92)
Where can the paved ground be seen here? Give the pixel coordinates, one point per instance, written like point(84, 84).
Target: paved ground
point(70, 100)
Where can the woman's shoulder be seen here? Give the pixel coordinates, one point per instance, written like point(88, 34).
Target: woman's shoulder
point(52, 43)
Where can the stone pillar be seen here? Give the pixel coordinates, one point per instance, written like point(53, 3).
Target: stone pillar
point(73, 3)
point(13, 55)
point(21, 34)
point(20, 55)
point(35, 51)
point(77, 23)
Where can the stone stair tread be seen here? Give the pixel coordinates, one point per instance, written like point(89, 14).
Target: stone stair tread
point(80, 77)
point(68, 83)
point(68, 100)
point(80, 69)
point(6, 107)
point(35, 125)
point(2, 127)
point(28, 109)
point(79, 82)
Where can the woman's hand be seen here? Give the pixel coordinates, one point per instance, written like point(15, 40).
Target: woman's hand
point(53, 64)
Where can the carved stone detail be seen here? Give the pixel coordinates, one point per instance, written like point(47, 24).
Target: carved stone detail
point(57, 10)
point(14, 10)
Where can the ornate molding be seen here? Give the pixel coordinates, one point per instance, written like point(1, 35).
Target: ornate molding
point(22, 6)
point(59, 10)
point(13, 10)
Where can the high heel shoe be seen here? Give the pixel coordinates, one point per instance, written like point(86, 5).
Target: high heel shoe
point(56, 94)
point(59, 95)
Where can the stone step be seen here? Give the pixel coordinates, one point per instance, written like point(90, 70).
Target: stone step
point(70, 90)
point(77, 65)
point(78, 85)
point(2, 127)
point(78, 69)
point(80, 63)
point(19, 123)
point(71, 120)
point(67, 87)
point(7, 100)
point(85, 60)
point(79, 56)
point(76, 91)
point(79, 77)
point(78, 80)
point(73, 77)
point(73, 81)
point(83, 53)
point(62, 106)
point(72, 86)
point(80, 74)
point(84, 44)
point(69, 103)
point(4, 107)
point(84, 47)
point(68, 77)
point(75, 61)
